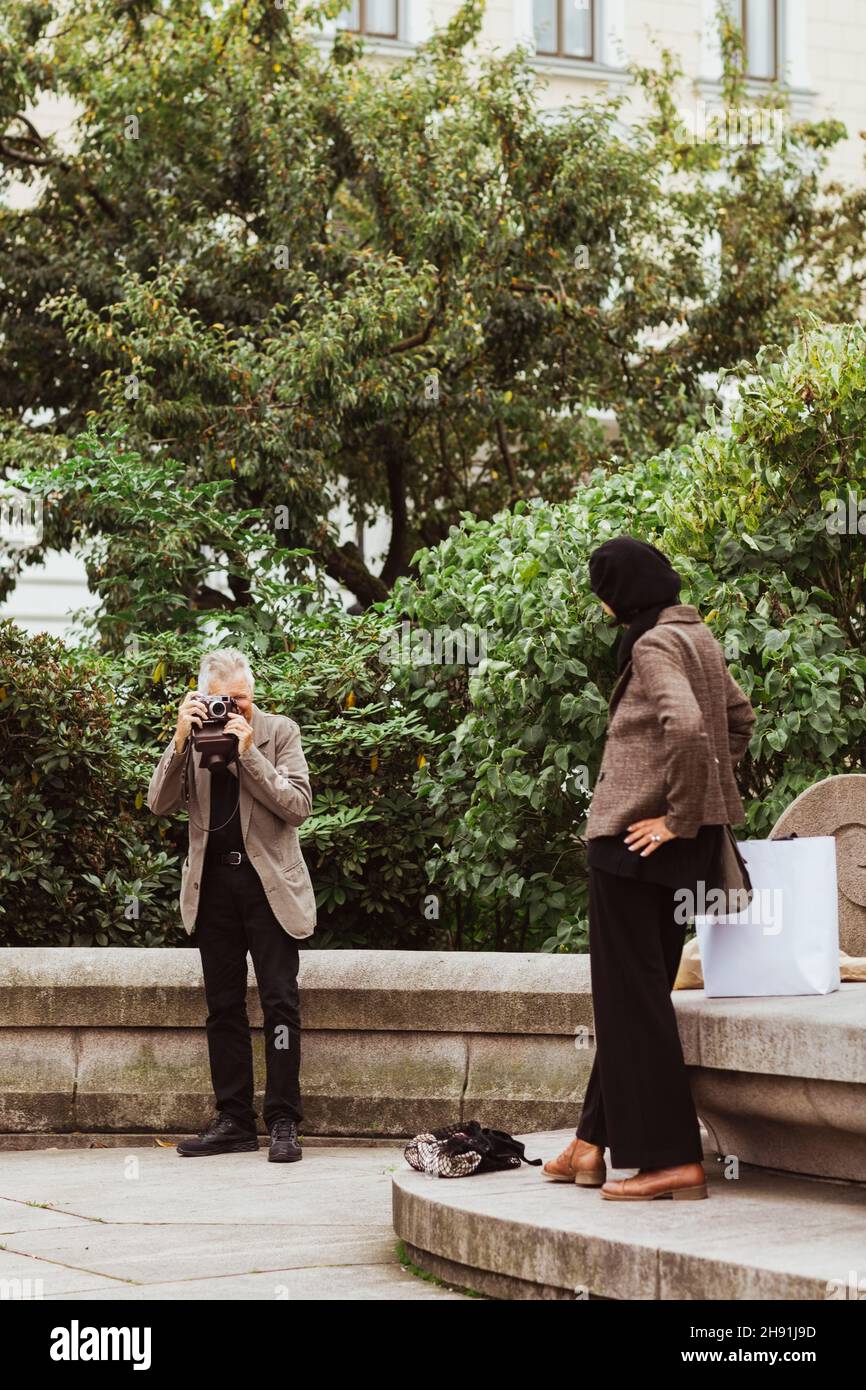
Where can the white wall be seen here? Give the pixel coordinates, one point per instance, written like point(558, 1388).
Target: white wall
point(47, 595)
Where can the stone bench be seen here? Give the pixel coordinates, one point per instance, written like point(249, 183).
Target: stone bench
point(781, 1082)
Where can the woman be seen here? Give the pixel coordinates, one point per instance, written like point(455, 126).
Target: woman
point(678, 724)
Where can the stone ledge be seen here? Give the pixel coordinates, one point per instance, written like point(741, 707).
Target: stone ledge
point(819, 1036)
point(98, 1139)
point(517, 1236)
point(469, 991)
point(781, 1083)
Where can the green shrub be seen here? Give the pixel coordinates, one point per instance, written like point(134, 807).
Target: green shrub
point(527, 726)
point(742, 514)
point(78, 861)
point(369, 837)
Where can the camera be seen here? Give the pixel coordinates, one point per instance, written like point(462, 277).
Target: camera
point(217, 748)
point(219, 707)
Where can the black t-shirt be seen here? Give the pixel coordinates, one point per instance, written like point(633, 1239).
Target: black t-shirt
point(224, 812)
point(678, 863)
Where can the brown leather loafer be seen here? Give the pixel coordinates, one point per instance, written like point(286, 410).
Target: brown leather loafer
point(579, 1163)
point(685, 1183)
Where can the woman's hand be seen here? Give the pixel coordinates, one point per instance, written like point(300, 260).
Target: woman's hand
point(649, 833)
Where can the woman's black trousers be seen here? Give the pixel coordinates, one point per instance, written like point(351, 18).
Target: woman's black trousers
point(638, 1102)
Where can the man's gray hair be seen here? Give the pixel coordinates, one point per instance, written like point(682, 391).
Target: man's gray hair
point(218, 666)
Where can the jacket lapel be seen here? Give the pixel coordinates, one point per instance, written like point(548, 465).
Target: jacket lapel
point(200, 791)
point(619, 689)
point(261, 738)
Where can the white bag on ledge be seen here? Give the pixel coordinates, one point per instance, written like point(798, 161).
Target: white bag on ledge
point(787, 940)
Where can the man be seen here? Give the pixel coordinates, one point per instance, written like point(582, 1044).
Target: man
point(244, 887)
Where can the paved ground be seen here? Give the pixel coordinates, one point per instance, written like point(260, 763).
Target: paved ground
point(143, 1223)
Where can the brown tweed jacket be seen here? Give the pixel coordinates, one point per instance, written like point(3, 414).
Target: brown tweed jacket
point(678, 724)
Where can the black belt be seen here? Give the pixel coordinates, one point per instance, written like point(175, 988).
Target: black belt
point(233, 857)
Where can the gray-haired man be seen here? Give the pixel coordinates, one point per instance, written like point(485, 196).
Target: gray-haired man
point(244, 887)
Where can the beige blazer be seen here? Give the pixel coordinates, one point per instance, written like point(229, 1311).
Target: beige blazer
point(678, 724)
point(275, 798)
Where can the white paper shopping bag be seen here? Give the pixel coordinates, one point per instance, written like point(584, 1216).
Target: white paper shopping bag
point(787, 940)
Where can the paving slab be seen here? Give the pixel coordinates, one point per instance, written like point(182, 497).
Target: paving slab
point(157, 1185)
point(25, 1216)
point(150, 1254)
point(364, 1283)
point(143, 1223)
point(24, 1277)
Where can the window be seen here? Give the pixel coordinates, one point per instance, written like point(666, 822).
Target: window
point(759, 21)
point(378, 18)
point(564, 28)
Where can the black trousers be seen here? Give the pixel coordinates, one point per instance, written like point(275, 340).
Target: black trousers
point(638, 1102)
point(234, 916)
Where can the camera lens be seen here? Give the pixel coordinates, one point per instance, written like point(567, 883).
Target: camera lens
point(217, 709)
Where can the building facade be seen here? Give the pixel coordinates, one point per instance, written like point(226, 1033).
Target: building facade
point(816, 49)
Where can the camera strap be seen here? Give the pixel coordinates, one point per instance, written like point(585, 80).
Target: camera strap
point(185, 775)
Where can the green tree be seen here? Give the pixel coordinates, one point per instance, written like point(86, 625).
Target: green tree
point(156, 541)
point(305, 275)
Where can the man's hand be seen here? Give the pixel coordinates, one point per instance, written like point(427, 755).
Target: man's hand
point(649, 833)
point(237, 725)
point(192, 710)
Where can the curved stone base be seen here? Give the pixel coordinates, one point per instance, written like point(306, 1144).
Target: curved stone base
point(797, 1124)
point(781, 1082)
point(516, 1235)
point(482, 1281)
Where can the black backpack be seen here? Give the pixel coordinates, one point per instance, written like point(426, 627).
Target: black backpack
point(456, 1151)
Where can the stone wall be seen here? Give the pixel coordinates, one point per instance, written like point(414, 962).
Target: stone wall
point(112, 1040)
point(100, 1043)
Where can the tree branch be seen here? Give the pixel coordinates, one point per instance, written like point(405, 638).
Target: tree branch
point(508, 459)
point(344, 563)
point(416, 340)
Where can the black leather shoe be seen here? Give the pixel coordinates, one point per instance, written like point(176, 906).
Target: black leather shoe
point(284, 1146)
point(222, 1136)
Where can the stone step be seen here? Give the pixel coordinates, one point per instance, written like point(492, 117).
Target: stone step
point(517, 1235)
